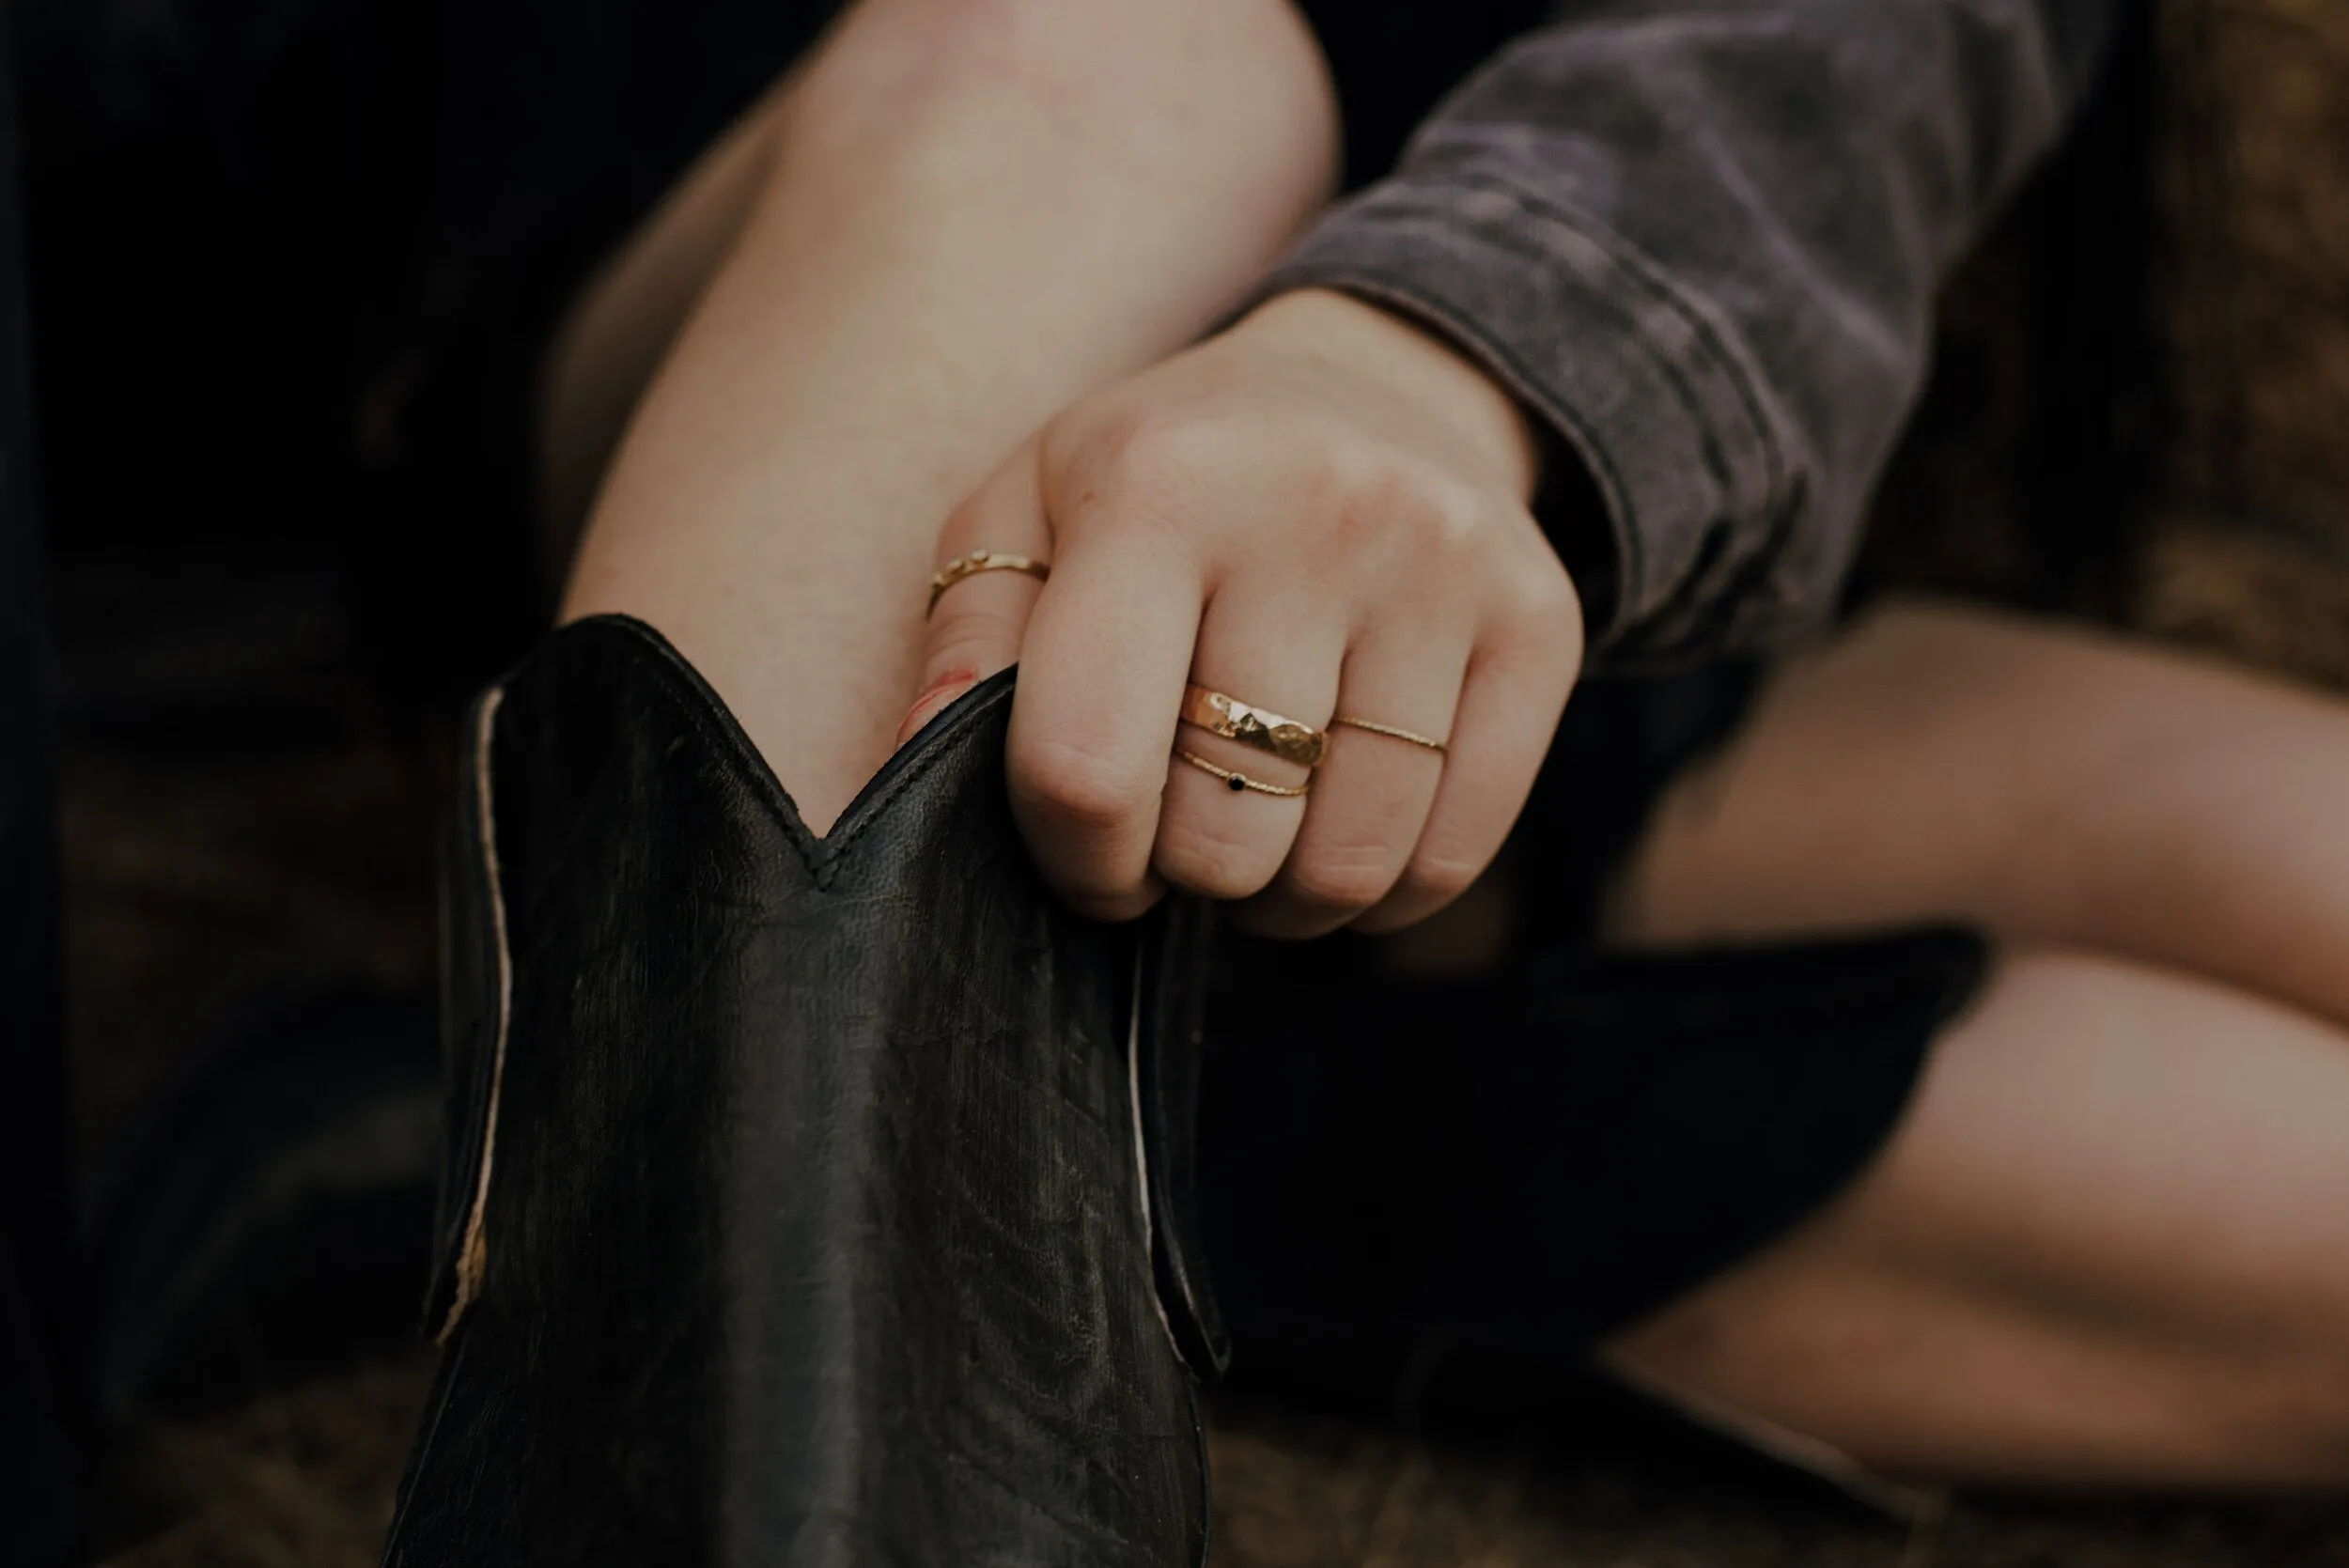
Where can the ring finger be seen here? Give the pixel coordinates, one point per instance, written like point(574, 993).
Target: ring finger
point(1373, 792)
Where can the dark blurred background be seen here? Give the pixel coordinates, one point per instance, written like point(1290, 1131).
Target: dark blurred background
point(278, 395)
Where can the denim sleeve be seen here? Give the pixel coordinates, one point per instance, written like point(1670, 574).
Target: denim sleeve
point(1699, 240)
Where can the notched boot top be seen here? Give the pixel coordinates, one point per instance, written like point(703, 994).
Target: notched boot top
point(809, 1201)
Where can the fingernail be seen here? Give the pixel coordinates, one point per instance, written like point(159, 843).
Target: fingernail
point(948, 685)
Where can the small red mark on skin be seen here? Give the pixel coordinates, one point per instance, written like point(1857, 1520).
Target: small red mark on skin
point(949, 683)
point(961, 675)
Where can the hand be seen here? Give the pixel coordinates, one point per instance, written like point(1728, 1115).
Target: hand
point(1321, 511)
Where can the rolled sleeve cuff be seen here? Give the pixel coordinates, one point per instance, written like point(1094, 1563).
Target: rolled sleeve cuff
point(1638, 378)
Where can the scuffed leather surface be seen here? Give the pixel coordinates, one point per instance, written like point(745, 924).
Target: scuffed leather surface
point(814, 1226)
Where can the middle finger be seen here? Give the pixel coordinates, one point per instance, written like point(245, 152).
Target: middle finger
point(1216, 836)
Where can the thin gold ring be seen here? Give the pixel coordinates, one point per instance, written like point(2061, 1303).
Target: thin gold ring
point(1392, 732)
point(1237, 782)
point(1266, 731)
point(976, 562)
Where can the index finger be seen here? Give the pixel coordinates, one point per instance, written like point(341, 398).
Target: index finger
point(977, 619)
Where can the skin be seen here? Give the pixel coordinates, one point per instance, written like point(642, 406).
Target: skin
point(2060, 787)
point(1323, 511)
point(955, 269)
point(968, 213)
point(2112, 1241)
point(2108, 1246)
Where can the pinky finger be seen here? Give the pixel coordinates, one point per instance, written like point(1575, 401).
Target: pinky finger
point(1508, 714)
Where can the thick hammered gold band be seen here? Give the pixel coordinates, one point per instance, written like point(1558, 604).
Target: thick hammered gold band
point(1234, 720)
point(1237, 782)
point(1392, 732)
point(976, 562)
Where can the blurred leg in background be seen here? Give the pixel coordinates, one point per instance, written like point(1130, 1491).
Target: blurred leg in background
point(2108, 1246)
point(2109, 1241)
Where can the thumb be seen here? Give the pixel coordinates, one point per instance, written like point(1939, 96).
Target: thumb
point(976, 623)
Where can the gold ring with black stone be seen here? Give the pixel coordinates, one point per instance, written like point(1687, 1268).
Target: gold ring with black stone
point(1235, 782)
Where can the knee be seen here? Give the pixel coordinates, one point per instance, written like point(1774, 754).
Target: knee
point(2300, 1407)
point(1232, 95)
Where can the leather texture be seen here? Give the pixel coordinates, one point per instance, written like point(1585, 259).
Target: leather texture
point(798, 1210)
point(1169, 1046)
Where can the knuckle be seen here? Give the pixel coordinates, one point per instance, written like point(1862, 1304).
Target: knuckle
point(1540, 602)
point(1449, 516)
point(1348, 466)
point(1408, 512)
point(1078, 790)
point(1108, 908)
point(1150, 455)
point(1546, 593)
point(1211, 864)
point(1362, 487)
point(1343, 878)
point(1437, 878)
point(1141, 471)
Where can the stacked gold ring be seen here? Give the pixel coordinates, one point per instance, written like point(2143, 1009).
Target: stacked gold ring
point(1216, 712)
point(976, 562)
point(1266, 731)
point(1220, 713)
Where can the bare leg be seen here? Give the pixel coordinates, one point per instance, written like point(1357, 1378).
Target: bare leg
point(2110, 1246)
point(968, 212)
point(622, 324)
point(2111, 1242)
point(2052, 785)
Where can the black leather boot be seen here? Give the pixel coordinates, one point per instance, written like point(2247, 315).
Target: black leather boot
point(809, 1201)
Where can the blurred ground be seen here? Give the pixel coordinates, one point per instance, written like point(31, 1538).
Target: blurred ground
point(303, 1479)
point(247, 817)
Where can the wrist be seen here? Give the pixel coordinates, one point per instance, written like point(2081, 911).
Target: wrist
point(1414, 363)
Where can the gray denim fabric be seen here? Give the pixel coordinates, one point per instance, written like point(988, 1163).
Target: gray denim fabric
point(1701, 238)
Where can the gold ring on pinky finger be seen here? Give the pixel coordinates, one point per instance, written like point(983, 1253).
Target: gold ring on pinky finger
point(1392, 732)
point(1237, 782)
point(976, 562)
